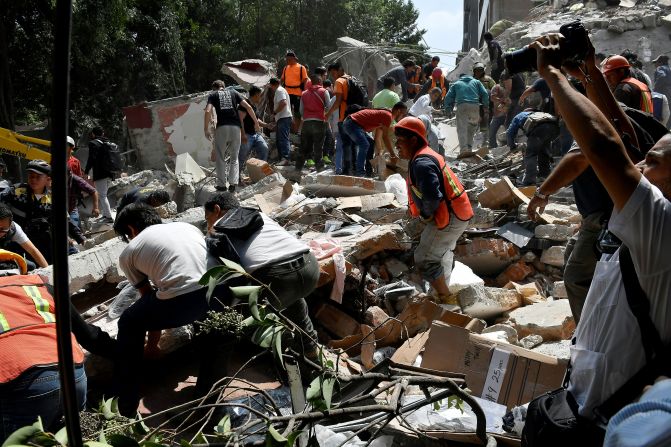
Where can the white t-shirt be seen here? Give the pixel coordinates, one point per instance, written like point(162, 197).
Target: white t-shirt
point(268, 245)
point(19, 237)
point(608, 349)
point(281, 95)
point(422, 106)
point(173, 256)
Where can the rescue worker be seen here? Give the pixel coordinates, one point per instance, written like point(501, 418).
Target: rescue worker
point(437, 79)
point(29, 379)
point(468, 94)
point(628, 90)
point(435, 195)
point(485, 109)
point(416, 78)
point(30, 204)
point(429, 67)
point(293, 79)
point(11, 235)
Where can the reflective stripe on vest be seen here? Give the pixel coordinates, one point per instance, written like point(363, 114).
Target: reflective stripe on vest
point(456, 199)
point(41, 305)
point(4, 325)
point(646, 97)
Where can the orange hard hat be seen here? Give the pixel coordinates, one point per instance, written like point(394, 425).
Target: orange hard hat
point(415, 126)
point(614, 63)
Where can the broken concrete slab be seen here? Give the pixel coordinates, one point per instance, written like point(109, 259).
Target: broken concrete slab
point(461, 277)
point(368, 202)
point(502, 332)
point(551, 320)
point(559, 290)
point(258, 169)
point(559, 349)
point(370, 239)
point(554, 232)
point(184, 163)
point(554, 256)
point(324, 185)
point(487, 302)
point(336, 321)
point(264, 185)
point(486, 257)
point(531, 341)
point(375, 316)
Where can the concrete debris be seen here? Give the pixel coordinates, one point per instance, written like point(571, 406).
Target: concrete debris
point(258, 169)
point(488, 302)
point(559, 290)
point(554, 232)
point(551, 320)
point(487, 257)
point(531, 341)
point(558, 349)
point(501, 332)
point(554, 256)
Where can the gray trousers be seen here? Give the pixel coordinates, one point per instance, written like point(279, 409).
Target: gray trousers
point(468, 119)
point(227, 141)
point(580, 262)
point(436, 248)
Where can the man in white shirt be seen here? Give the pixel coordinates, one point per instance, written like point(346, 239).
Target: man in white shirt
point(608, 350)
point(423, 104)
point(283, 118)
point(165, 263)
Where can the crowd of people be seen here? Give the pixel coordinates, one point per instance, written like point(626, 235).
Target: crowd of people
point(603, 118)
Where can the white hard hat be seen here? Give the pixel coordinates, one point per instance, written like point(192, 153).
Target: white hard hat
point(71, 141)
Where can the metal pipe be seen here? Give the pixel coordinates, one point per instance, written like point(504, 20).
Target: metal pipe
point(59, 243)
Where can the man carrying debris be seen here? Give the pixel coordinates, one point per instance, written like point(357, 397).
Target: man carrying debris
point(400, 77)
point(228, 134)
point(387, 97)
point(609, 350)
point(283, 115)
point(314, 102)
point(165, 262)
point(627, 89)
point(435, 195)
point(271, 255)
point(469, 94)
point(541, 129)
point(437, 79)
point(379, 121)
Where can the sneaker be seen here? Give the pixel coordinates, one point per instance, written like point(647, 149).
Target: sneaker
point(310, 163)
point(231, 188)
point(326, 160)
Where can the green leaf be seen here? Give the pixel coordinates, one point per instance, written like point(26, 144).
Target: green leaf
point(101, 437)
point(233, 266)
point(277, 436)
point(62, 436)
point(21, 436)
point(291, 439)
point(327, 390)
point(200, 439)
point(107, 411)
point(436, 406)
point(224, 426)
point(117, 440)
point(254, 304)
point(314, 390)
point(184, 443)
point(278, 346)
point(139, 427)
point(38, 424)
point(214, 272)
point(243, 291)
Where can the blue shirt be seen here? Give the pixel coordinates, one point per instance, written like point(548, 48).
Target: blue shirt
point(515, 126)
point(466, 89)
point(426, 178)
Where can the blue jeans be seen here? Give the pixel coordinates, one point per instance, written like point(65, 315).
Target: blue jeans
point(494, 126)
point(255, 144)
point(344, 151)
point(358, 137)
point(36, 392)
point(282, 136)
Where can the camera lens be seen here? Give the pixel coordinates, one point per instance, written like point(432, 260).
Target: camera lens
point(520, 60)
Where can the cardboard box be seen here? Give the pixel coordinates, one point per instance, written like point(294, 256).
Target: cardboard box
point(500, 372)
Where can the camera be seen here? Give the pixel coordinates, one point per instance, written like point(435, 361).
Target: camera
point(574, 50)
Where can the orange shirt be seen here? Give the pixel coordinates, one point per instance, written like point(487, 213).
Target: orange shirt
point(341, 86)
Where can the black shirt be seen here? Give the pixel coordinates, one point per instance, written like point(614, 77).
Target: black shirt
point(248, 122)
point(629, 95)
point(590, 195)
point(226, 103)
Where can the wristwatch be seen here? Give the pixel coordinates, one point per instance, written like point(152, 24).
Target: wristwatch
point(540, 195)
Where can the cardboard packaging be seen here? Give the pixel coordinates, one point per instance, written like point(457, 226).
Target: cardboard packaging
point(500, 372)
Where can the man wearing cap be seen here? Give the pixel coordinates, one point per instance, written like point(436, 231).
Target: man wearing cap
point(485, 109)
point(293, 79)
point(435, 195)
point(468, 94)
point(627, 89)
point(30, 204)
point(73, 162)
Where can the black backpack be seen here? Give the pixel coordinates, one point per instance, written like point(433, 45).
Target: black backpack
point(111, 157)
point(356, 92)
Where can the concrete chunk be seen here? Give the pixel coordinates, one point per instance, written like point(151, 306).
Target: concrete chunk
point(375, 316)
point(531, 341)
point(487, 257)
point(554, 232)
point(258, 169)
point(514, 273)
point(559, 290)
point(325, 185)
point(559, 349)
point(551, 320)
point(502, 332)
point(554, 256)
point(487, 302)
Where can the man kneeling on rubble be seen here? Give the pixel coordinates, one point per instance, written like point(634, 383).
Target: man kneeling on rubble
point(436, 195)
point(165, 262)
point(269, 253)
point(618, 346)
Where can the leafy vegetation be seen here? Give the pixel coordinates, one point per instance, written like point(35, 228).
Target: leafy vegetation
point(128, 51)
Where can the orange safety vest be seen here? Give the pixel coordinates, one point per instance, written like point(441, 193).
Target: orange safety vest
point(27, 327)
point(442, 85)
point(456, 199)
point(293, 78)
point(414, 79)
point(646, 96)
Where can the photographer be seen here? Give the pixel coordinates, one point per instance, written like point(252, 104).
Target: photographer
point(609, 349)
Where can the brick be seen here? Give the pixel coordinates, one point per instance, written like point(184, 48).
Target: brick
point(336, 321)
point(487, 257)
point(554, 256)
point(375, 316)
point(515, 272)
point(258, 169)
